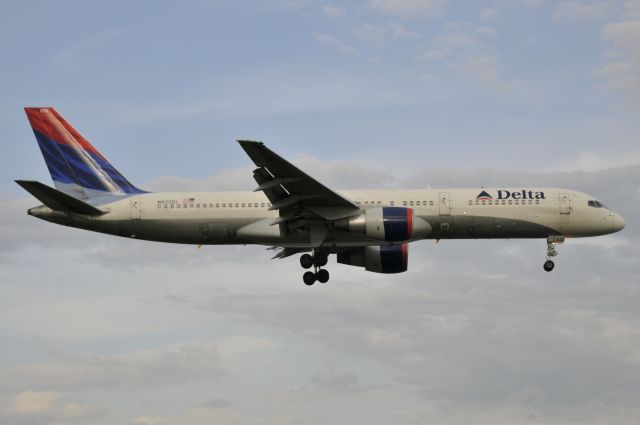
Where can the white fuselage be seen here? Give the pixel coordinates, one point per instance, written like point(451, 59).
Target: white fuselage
point(244, 217)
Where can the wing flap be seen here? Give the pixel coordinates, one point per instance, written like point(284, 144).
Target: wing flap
point(290, 189)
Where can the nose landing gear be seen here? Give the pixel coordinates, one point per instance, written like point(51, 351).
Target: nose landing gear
point(318, 260)
point(551, 251)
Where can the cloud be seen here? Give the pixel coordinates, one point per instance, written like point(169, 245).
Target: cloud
point(621, 72)
point(31, 403)
point(171, 365)
point(589, 161)
point(333, 11)
point(37, 407)
point(380, 34)
point(574, 11)
point(433, 342)
point(335, 43)
point(192, 416)
point(409, 8)
point(488, 14)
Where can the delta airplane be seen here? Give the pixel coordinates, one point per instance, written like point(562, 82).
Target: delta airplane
point(295, 213)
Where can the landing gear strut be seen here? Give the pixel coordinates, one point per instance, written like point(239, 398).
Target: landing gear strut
point(551, 251)
point(317, 260)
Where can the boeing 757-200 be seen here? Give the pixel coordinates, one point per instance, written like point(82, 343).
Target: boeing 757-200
point(295, 213)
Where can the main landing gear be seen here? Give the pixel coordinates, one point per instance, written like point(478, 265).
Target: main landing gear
point(551, 251)
point(317, 260)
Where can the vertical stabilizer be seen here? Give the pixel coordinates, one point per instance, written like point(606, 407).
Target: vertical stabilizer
point(76, 167)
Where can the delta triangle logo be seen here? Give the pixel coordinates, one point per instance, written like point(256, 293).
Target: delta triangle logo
point(484, 196)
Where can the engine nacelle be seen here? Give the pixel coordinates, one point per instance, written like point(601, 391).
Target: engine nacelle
point(391, 224)
point(379, 259)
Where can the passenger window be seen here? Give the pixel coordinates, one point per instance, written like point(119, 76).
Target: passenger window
point(392, 203)
point(166, 206)
point(268, 204)
point(510, 202)
point(504, 202)
point(237, 205)
point(178, 206)
point(411, 203)
point(217, 205)
point(379, 203)
point(404, 203)
point(430, 203)
point(224, 205)
point(204, 205)
point(262, 205)
point(537, 201)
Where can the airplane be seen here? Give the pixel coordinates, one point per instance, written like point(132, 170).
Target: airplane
point(295, 213)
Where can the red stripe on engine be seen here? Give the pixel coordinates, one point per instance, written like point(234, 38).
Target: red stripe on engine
point(409, 222)
point(51, 124)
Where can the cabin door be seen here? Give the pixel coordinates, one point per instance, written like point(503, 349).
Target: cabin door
point(565, 203)
point(135, 207)
point(444, 203)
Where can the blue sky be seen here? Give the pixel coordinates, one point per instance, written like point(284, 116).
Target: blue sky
point(165, 89)
point(366, 93)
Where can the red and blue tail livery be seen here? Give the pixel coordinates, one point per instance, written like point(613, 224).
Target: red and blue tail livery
point(76, 167)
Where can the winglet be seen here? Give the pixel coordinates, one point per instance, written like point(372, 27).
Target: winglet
point(56, 200)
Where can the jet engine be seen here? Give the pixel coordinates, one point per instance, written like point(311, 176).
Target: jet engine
point(379, 259)
point(390, 224)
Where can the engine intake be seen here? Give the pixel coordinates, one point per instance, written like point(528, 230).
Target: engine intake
point(391, 224)
point(379, 259)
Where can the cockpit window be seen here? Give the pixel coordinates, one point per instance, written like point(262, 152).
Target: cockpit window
point(596, 204)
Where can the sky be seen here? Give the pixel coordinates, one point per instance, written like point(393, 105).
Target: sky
point(360, 94)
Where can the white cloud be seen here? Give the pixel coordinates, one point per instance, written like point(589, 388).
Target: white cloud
point(488, 14)
point(409, 8)
point(574, 11)
point(335, 43)
point(484, 30)
point(36, 407)
point(333, 11)
point(31, 403)
point(622, 70)
point(379, 34)
point(590, 161)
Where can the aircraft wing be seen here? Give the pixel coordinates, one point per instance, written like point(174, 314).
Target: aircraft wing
point(291, 191)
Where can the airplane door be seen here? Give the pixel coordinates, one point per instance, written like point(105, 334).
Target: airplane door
point(565, 203)
point(135, 207)
point(444, 203)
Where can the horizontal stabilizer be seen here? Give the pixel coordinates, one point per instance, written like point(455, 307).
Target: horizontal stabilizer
point(56, 200)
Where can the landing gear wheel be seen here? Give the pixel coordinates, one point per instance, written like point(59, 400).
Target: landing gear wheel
point(309, 278)
point(320, 260)
point(306, 261)
point(548, 265)
point(322, 275)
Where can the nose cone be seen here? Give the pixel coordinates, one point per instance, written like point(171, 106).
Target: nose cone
point(618, 223)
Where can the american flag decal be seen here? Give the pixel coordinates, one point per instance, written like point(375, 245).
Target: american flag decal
point(185, 200)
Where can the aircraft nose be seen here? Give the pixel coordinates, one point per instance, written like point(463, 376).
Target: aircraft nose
point(618, 223)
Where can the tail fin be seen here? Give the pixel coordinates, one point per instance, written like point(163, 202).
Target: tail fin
point(76, 167)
